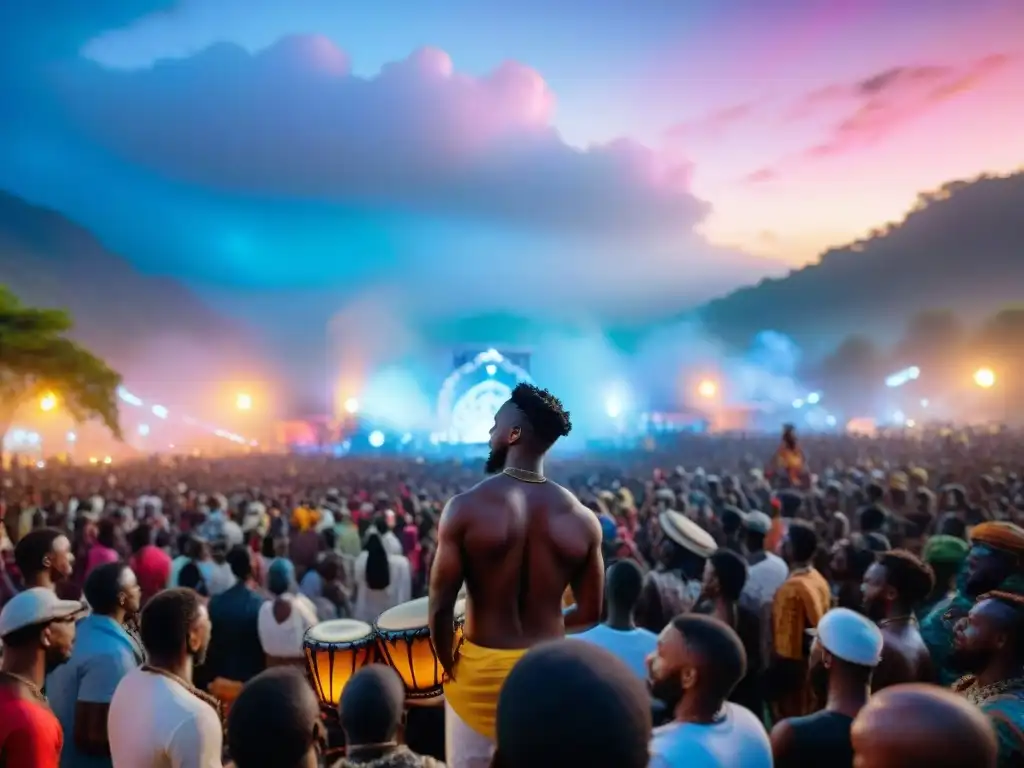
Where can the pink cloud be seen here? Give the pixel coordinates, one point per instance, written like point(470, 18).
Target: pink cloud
point(711, 125)
point(885, 102)
point(873, 108)
point(420, 136)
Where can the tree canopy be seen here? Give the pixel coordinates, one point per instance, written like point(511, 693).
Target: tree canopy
point(38, 357)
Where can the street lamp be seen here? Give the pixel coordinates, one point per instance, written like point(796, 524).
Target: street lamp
point(985, 378)
point(48, 402)
point(243, 402)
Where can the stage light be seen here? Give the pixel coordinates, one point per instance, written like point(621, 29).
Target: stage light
point(491, 369)
point(798, 403)
point(814, 398)
point(407, 438)
point(376, 439)
point(72, 437)
point(159, 411)
point(985, 378)
point(128, 397)
point(243, 401)
point(40, 464)
point(107, 460)
point(48, 402)
point(351, 405)
point(143, 430)
point(707, 389)
point(613, 407)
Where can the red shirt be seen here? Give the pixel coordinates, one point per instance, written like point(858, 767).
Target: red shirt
point(30, 734)
point(152, 568)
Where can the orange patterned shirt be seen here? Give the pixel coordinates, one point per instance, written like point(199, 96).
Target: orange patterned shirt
point(799, 604)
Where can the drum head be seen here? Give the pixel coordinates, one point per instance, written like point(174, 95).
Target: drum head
point(412, 615)
point(339, 631)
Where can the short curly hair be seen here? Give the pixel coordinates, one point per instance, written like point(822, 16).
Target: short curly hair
point(547, 417)
point(912, 578)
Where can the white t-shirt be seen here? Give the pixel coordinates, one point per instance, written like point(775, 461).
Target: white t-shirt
point(738, 739)
point(633, 646)
point(155, 722)
point(764, 579)
point(284, 640)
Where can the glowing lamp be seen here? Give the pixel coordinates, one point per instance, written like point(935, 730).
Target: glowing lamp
point(707, 389)
point(48, 402)
point(351, 405)
point(243, 402)
point(376, 438)
point(985, 378)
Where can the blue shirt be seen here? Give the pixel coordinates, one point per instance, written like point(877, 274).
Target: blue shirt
point(103, 653)
point(235, 652)
point(633, 646)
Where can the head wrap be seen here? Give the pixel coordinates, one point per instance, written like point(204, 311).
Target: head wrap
point(945, 549)
point(999, 535)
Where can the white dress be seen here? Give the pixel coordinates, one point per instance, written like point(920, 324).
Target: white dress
point(284, 640)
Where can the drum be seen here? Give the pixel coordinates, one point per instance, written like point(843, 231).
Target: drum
point(336, 650)
point(404, 641)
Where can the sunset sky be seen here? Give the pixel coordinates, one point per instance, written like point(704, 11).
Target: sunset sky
point(643, 154)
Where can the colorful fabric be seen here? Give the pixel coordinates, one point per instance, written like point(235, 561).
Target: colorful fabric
point(1003, 704)
point(799, 604)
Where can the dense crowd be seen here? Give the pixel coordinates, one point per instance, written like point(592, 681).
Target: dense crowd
point(766, 603)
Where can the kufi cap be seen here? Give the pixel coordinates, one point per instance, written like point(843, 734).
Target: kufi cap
point(687, 534)
point(945, 549)
point(849, 636)
point(758, 522)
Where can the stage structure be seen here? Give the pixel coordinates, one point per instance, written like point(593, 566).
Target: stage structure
point(474, 392)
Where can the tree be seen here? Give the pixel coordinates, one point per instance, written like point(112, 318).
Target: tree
point(932, 341)
point(37, 357)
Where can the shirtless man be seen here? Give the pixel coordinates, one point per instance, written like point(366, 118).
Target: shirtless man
point(893, 587)
point(517, 540)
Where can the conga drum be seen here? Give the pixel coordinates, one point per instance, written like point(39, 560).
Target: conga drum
point(403, 637)
point(335, 651)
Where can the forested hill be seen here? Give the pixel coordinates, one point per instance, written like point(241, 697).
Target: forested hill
point(961, 248)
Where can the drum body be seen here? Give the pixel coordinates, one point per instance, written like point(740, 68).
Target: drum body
point(403, 638)
point(336, 650)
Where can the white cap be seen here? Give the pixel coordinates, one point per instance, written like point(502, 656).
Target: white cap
point(35, 606)
point(851, 637)
point(758, 522)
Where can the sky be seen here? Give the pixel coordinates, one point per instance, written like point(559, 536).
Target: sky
point(577, 158)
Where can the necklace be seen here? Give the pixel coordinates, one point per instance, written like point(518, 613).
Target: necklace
point(524, 475)
point(201, 695)
point(978, 695)
point(30, 686)
point(908, 618)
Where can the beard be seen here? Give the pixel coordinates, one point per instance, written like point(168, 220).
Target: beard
point(496, 460)
point(668, 691)
point(969, 660)
point(875, 610)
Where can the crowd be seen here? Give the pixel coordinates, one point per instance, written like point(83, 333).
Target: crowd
point(831, 601)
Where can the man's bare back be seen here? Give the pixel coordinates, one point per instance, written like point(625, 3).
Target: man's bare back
point(517, 545)
point(522, 545)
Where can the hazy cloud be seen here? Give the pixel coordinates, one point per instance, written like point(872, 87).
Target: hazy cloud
point(420, 136)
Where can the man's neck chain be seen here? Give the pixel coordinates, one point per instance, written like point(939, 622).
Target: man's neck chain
point(524, 475)
point(34, 690)
point(908, 617)
point(979, 694)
